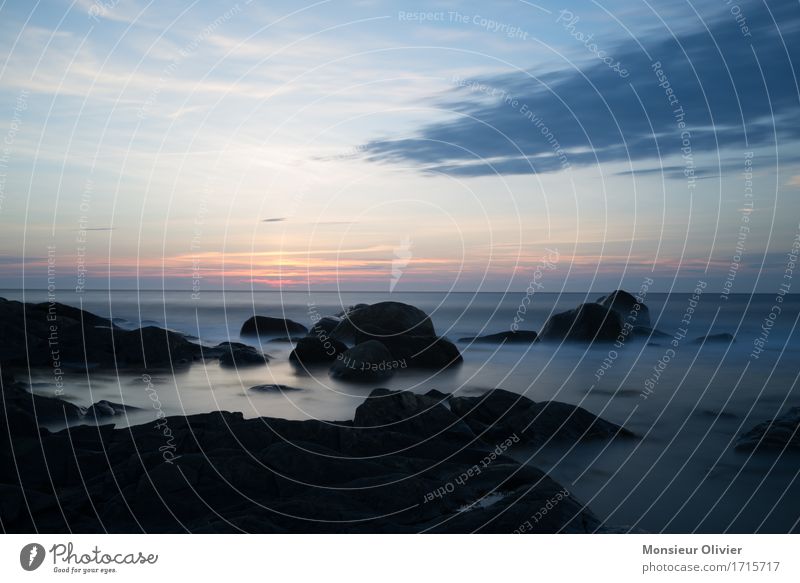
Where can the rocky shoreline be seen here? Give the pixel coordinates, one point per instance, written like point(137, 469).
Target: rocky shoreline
point(407, 462)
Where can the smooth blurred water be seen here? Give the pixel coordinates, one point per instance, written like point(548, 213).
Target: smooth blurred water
point(682, 475)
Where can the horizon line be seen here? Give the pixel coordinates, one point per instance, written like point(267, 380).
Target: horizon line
point(216, 290)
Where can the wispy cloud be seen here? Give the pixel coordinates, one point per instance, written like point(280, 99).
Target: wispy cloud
point(523, 123)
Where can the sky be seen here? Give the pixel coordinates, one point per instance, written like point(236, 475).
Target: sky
point(399, 146)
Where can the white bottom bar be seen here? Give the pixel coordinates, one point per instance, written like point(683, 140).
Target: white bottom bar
point(402, 558)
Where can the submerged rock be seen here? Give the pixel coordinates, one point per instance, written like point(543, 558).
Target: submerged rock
point(715, 338)
point(268, 326)
point(509, 337)
point(779, 433)
point(274, 389)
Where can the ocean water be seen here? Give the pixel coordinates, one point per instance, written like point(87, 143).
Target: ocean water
point(688, 403)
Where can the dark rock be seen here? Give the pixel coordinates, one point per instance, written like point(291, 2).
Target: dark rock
point(779, 433)
point(412, 351)
point(586, 323)
point(499, 414)
point(423, 352)
point(274, 389)
point(715, 338)
point(509, 337)
point(438, 395)
point(69, 313)
point(717, 414)
point(384, 318)
point(236, 354)
point(267, 326)
point(22, 412)
point(407, 332)
point(368, 361)
point(102, 409)
point(408, 412)
point(626, 305)
point(313, 350)
point(408, 468)
point(60, 336)
point(547, 508)
point(26, 410)
point(153, 347)
point(349, 309)
point(324, 326)
point(561, 421)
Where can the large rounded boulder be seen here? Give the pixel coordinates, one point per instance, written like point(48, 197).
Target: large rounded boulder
point(586, 323)
point(383, 319)
point(406, 331)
